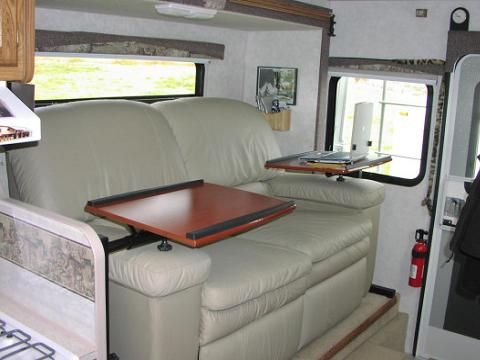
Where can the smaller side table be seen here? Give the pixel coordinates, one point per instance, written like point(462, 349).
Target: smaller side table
point(295, 163)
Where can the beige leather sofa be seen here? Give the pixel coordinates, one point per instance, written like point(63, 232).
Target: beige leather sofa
point(264, 294)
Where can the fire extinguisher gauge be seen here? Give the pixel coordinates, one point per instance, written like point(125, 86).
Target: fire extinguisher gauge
point(420, 234)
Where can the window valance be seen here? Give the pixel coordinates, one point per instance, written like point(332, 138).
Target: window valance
point(97, 43)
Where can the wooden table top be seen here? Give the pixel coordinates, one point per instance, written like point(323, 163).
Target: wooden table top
point(294, 163)
point(193, 213)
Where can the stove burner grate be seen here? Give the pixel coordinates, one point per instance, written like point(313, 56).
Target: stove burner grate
point(16, 344)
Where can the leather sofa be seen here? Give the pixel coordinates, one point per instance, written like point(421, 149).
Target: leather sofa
point(263, 294)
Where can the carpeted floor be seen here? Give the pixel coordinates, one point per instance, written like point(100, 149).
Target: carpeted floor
point(369, 351)
point(387, 344)
point(374, 331)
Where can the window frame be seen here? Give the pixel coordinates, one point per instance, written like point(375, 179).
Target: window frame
point(334, 79)
point(199, 80)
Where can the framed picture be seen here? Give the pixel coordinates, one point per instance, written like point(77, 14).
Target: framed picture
point(277, 82)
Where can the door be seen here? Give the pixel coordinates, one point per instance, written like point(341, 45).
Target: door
point(449, 323)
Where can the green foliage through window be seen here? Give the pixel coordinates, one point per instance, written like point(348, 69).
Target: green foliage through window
point(60, 78)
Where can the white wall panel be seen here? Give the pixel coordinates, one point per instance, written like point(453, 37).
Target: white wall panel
point(224, 77)
point(235, 76)
point(298, 49)
point(390, 30)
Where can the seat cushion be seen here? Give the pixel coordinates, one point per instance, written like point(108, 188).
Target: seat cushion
point(274, 336)
point(319, 235)
point(332, 300)
point(244, 270)
point(351, 193)
point(327, 268)
point(247, 281)
point(218, 324)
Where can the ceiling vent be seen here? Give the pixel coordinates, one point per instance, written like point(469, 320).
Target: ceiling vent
point(185, 11)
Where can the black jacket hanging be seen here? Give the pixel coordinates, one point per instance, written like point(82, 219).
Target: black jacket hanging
point(467, 232)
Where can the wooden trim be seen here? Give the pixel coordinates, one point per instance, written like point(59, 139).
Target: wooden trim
point(29, 46)
point(285, 10)
point(335, 349)
point(288, 7)
point(322, 98)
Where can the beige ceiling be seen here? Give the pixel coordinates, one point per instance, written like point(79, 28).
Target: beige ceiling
point(145, 9)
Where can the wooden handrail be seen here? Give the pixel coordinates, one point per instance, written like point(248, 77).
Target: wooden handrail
point(288, 7)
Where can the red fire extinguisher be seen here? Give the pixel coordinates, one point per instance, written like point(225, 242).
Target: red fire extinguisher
point(419, 254)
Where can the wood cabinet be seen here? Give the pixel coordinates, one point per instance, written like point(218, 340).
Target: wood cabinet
point(17, 39)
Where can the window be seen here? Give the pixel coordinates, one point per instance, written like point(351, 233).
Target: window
point(400, 124)
point(66, 78)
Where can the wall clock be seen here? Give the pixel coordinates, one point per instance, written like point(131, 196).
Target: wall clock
point(459, 19)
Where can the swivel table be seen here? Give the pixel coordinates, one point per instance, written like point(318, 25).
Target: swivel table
point(296, 163)
point(192, 213)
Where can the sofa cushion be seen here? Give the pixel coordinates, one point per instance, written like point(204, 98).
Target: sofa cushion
point(217, 324)
point(247, 281)
point(155, 273)
point(259, 187)
point(327, 268)
point(332, 300)
point(244, 270)
point(351, 193)
point(316, 234)
point(93, 149)
point(222, 141)
point(274, 336)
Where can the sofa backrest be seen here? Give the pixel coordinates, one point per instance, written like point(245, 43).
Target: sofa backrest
point(93, 149)
point(222, 141)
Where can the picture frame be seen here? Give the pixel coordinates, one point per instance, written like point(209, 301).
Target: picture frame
point(278, 83)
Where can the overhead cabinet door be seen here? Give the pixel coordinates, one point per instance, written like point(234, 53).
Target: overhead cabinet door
point(8, 31)
point(17, 39)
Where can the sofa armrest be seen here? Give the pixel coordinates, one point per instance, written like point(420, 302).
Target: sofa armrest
point(351, 193)
point(155, 302)
point(155, 273)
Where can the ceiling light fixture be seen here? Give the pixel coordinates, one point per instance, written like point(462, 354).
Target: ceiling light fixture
point(186, 11)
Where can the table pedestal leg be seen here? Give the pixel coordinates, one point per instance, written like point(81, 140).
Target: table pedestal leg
point(164, 245)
